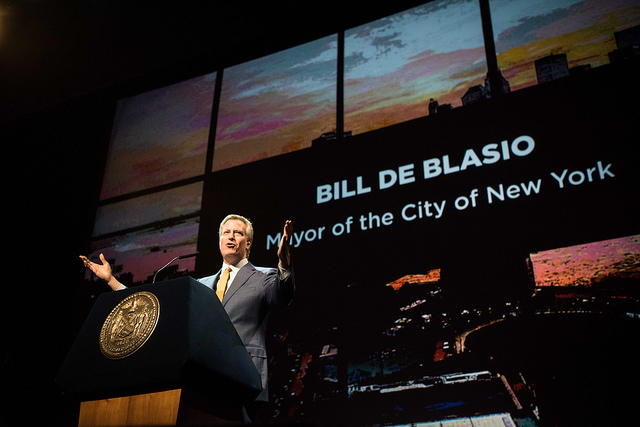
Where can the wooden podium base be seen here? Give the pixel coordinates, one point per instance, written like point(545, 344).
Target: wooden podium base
point(165, 408)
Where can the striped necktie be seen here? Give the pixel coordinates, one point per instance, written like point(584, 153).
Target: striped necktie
point(222, 284)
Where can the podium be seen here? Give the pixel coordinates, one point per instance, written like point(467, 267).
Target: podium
point(159, 354)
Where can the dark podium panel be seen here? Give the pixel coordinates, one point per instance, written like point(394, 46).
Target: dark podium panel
point(194, 345)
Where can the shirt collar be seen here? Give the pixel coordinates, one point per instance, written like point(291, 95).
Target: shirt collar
point(237, 266)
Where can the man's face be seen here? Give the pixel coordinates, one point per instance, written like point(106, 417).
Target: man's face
point(234, 245)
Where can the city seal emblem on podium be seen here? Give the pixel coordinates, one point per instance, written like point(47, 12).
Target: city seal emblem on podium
point(129, 325)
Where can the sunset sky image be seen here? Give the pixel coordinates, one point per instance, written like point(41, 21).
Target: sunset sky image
point(159, 137)
point(431, 277)
point(395, 65)
point(526, 30)
point(143, 252)
point(588, 263)
point(152, 208)
point(276, 104)
point(151, 230)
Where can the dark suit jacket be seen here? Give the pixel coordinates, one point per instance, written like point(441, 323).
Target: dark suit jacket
point(248, 300)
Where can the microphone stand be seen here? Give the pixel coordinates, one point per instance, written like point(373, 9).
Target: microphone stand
point(169, 263)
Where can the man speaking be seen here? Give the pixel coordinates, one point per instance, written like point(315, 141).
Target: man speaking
point(246, 292)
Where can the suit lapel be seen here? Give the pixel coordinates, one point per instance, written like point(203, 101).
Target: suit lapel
point(216, 278)
point(241, 278)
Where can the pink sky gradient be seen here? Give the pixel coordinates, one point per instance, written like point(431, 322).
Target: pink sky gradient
point(159, 137)
point(143, 252)
point(588, 263)
point(395, 65)
point(527, 30)
point(276, 104)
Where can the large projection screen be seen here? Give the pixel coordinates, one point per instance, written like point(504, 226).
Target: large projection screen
point(467, 254)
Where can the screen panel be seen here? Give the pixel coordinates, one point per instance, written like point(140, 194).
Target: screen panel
point(135, 256)
point(469, 196)
point(588, 264)
point(183, 201)
point(396, 66)
point(159, 137)
point(276, 104)
point(416, 245)
point(572, 36)
point(142, 234)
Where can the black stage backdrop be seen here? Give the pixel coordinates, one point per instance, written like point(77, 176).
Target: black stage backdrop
point(468, 196)
point(351, 349)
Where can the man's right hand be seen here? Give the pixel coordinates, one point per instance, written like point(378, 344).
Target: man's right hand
point(102, 271)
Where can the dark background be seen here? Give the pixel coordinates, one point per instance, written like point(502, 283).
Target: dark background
point(63, 66)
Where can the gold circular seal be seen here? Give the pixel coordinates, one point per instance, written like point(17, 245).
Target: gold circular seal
point(129, 325)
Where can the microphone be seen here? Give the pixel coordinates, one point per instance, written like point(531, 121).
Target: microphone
point(169, 263)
